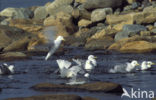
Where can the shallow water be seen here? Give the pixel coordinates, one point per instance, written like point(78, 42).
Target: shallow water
point(21, 3)
point(36, 70)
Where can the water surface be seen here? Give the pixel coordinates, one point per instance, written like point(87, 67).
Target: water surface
point(36, 70)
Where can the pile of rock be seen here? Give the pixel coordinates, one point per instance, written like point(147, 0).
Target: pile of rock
point(120, 25)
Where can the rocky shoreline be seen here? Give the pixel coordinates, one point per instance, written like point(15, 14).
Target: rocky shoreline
point(124, 26)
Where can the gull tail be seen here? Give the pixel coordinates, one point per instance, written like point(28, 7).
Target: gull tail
point(11, 68)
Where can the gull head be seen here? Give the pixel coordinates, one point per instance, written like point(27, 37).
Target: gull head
point(150, 63)
point(86, 75)
point(135, 63)
point(60, 38)
point(91, 57)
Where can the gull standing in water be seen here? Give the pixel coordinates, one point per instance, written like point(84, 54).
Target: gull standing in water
point(128, 67)
point(53, 43)
point(6, 69)
point(89, 64)
point(145, 65)
point(70, 69)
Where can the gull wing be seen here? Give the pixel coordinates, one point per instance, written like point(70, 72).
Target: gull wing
point(77, 61)
point(119, 68)
point(80, 62)
point(75, 69)
point(63, 64)
point(50, 34)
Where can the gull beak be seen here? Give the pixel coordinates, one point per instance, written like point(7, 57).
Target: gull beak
point(153, 63)
point(95, 57)
point(138, 64)
point(63, 39)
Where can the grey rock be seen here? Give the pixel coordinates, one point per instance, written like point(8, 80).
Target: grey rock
point(13, 56)
point(81, 7)
point(64, 8)
point(117, 11)
point(2, 18)
point(155, 24)
point(16, 13)
point(100, 14)
point(94, 4)
point(4, 22)
point(59, 5)
point(40, 13)
point(135, 5)
point(129, 30)
point(107, 87)
point(153, 31)
point(127, 8)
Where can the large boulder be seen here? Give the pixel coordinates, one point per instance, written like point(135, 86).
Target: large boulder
point(107, 87)
point(100, 14)
point(138, 47)
point(94, 4)
point(144, 17)
point(81, 13)
point(13, 56)
point(99, 44)
point(63, 21)
point(40, 13)
point(116, 19)
point(127, 44)
point(84, 23)
point(33, 26)
point(59, 5)
point(12, 39)
point(10, 34)
point(49, 21)
point(100, 34)
point(15, 13)
point(128, 31)
point(19, 45)
point(86, 33)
